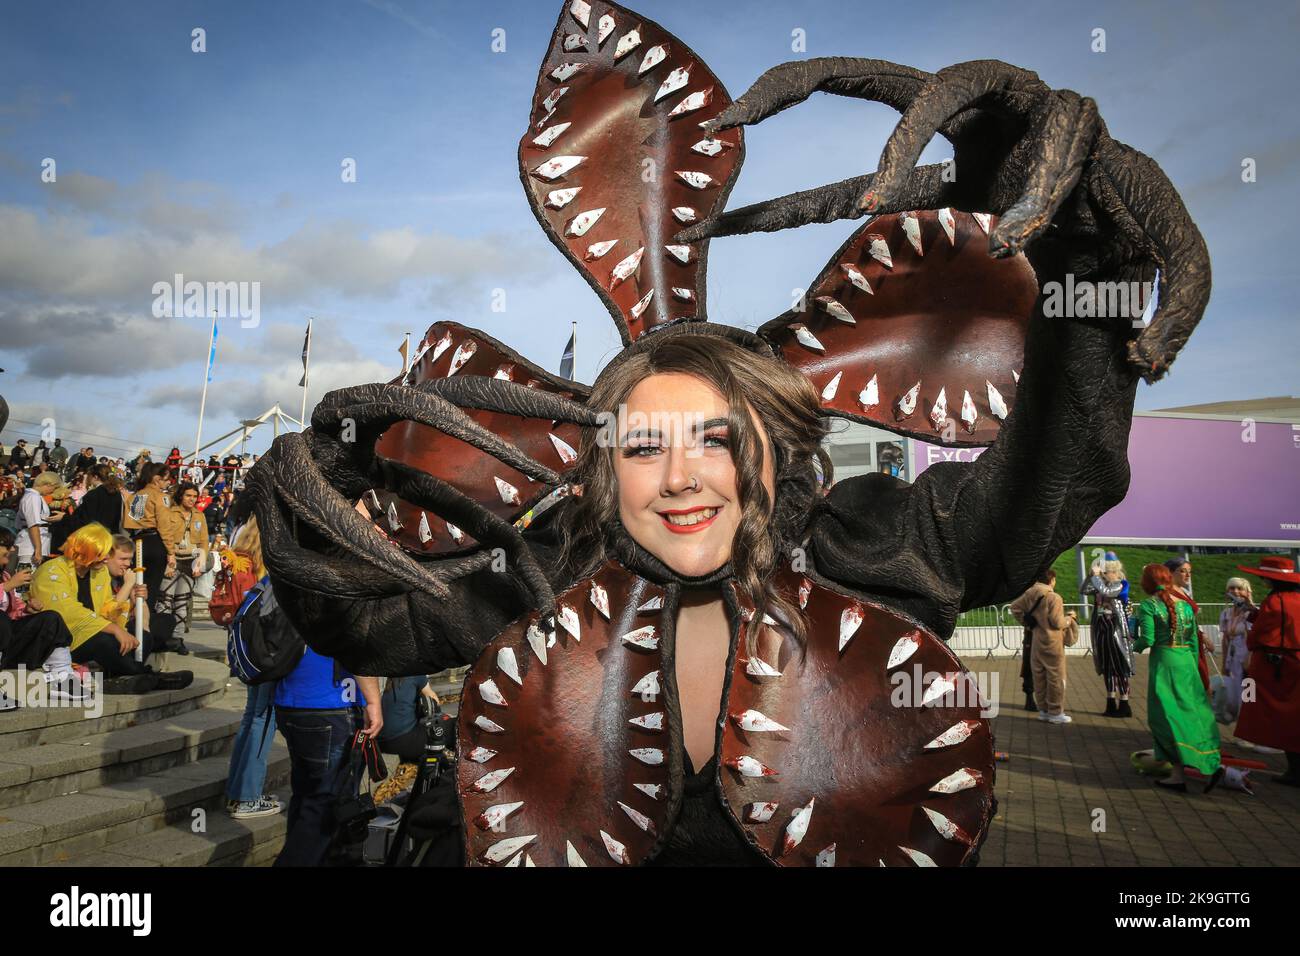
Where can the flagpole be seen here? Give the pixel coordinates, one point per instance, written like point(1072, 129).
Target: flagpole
point(406, 358)
point(207, 374)
point(306, 363)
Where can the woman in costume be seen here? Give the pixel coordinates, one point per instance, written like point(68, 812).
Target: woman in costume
point(1272, 718)
point(1233, 626)
point(1112, 645)
point(683, 651)
point(1181, 721)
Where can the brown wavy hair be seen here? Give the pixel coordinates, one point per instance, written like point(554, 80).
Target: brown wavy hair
point(779, 397)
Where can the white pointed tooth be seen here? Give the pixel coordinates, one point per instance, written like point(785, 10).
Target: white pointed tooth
point(757, 667)
point(656, 603)
point(653, 57)
point(684, 213)
point(490, 726)
point(563, 449)
point(441, 346)
point(508, 492)
point(827, 856)
point(968, 413)
point(489, 691)
point(528, 861)
point(559, 198)
point(694, 179)
point(651, 756)
point(504, 372)
point(917, 857)
point(583, 221)
point(456, 534)
point(879, 250)
point(464, 352)
point(855, 276)
point(947, 828)
point(757, 722)
point(954, 735)
point(566, 70)
point(481, 754)
point(685, 295)
point(907, 404)
point(797, 828)
point(805, 589)
point(940, 687)
point(647, 686)
point(984, 219)
point(949, 225)
point(710, 146)
point(770, 621)
point(550, 135)
point(694, 101)
point(649, 721)
point(806, 338)
point(850, 620)
point(652, 790)
point(599, 599)
point(557, 166)
point(748, 766)
point(509, 665)
point(832, 387)
point(503, 850)
point(640, 819)
point(574, 41)
point(598, 249)
point(903, 648)
point(673, 82)
point(490, 781)
point(996, 405)
point(625, 268)
point(493, 817)
point(958, 780)
point(581, 11)
point(617, 851)
point(912, 229)
point(679, 252)
point(568, 618)
point(643, 637)
point(516, 860)
point(548, 104)
point(639, 309)
point(939, 410)
point(869, 397)
point(761, 812)
point(627, 43)
point(604, 27)
point(1016, 376)
point(571, 855)
point(836, 309)
point(537, 641)
point(394, 523)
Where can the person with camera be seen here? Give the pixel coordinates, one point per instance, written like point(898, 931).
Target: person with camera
point(1041, 610)
point(405, 705)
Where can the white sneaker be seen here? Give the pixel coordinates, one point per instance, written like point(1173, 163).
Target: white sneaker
point(69, 690)
point(1060, 719)
point(1043, 715)
point(261, 807)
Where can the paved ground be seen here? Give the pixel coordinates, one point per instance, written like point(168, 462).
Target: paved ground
point(1057, 777)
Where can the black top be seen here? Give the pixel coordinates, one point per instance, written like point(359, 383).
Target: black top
point(97, 505)
point(704, 834)
point(83, 592)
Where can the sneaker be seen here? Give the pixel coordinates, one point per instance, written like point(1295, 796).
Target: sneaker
point(70, 690)
point(261, 807)
point(175, 680)
point(7, 703)
point(1059, 719)
point(131, 684)
point(1043, 715)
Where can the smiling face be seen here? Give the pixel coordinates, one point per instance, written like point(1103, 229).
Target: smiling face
point(678, 495)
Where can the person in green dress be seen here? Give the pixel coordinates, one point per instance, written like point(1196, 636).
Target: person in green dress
point(1178, 711)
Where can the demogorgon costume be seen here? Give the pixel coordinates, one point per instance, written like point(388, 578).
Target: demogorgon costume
point(570, 731)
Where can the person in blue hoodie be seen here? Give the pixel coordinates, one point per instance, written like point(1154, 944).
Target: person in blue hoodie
point(318, 708)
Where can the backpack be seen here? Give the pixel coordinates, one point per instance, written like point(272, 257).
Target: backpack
point(262, 646)
point(229, 588)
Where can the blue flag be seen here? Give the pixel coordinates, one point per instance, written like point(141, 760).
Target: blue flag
point(212, 354)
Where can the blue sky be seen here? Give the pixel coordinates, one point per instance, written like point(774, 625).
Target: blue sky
point(225, 165)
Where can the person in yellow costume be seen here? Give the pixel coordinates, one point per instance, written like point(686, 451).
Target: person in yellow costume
point(78, 586)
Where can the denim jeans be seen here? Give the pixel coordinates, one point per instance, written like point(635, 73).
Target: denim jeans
point(252, 745)
point(318, 746)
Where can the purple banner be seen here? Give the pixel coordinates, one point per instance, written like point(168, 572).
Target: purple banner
point(1194, 481)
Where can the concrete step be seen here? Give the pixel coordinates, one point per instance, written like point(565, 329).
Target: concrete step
point(226, 842)
point(33, 774)
point(69, 827)
point(33, 726)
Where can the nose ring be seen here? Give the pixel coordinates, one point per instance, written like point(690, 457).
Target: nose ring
point(695, 483)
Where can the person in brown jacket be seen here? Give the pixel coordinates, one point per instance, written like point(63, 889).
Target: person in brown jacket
point(1042, 609)
point(146, 517)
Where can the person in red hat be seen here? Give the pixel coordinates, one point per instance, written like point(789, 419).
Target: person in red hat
point(1271, 718)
